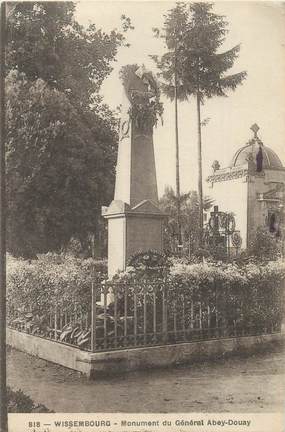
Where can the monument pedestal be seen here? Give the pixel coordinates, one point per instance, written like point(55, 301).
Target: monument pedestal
point(132, 230)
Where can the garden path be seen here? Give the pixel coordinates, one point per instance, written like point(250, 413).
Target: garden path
point(248, 384)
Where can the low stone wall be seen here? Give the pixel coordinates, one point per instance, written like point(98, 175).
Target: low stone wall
point(97, 365)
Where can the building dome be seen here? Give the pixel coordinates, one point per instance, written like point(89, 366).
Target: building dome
point(250, 150)
point(270, 158)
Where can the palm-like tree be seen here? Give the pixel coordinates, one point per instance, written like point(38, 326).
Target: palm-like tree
point(189, 207)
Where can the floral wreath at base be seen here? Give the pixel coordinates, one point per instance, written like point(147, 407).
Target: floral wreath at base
point(150, 259)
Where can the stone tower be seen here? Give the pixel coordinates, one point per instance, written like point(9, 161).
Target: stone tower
point(134, 218)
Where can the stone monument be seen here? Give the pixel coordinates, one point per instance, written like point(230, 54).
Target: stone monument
point(135, 221)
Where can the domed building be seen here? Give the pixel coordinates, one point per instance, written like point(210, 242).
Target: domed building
point(252, 188)
point(270, 160)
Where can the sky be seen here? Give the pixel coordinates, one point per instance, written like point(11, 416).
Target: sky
point(260, 29)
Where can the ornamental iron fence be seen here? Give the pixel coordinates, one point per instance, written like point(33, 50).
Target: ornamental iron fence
point(130, 318)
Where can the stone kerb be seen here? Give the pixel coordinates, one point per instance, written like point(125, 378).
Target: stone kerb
point(97, 365)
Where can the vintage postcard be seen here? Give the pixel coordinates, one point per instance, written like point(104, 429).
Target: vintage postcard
point(144, 216)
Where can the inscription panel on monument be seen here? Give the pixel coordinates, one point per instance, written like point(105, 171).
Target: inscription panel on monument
point(143, 233)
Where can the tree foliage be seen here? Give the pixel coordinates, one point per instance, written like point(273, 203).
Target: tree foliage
point(204, 65)
point(193, 36)
point(61, 137)
point(170, 64)
point(170, 68)
point(194, 65)
point(45, 41)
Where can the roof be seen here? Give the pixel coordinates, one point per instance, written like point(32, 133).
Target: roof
point(270, 158)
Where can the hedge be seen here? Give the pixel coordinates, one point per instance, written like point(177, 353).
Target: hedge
point(254, 291)
point(251, 293)
point(51, 280)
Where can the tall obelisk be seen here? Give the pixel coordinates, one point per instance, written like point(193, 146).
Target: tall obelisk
point(134, 218)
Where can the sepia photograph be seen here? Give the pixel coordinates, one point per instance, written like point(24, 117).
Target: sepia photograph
point(142, 216)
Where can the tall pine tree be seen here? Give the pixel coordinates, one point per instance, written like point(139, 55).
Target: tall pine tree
point(194, 36)
point(169, 65)
point(205, 67)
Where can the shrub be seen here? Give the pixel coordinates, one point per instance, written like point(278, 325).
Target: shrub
point(36, 287)
point(242, 293)
point(250, 293)
point(265, 246)
point(19, 402)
